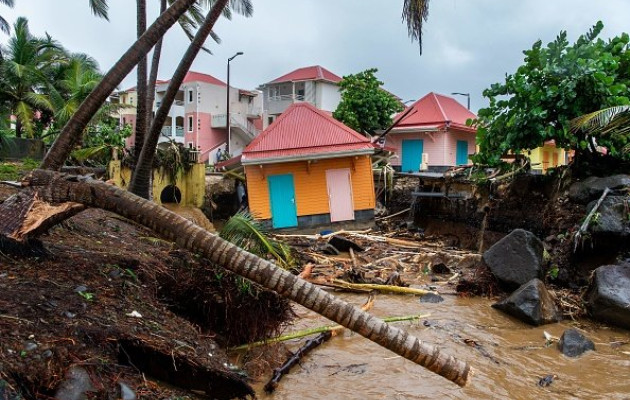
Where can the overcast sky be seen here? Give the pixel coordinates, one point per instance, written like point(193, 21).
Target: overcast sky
point(468, 44)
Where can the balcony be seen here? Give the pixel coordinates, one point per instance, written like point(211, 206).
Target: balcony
point(167, 131)
point(237, 121)
point(278, 103)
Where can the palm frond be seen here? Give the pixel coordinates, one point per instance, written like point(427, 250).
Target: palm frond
point(4, 26)
point(415, 13)
point(245, 232)
point(8, 3)
point(87, 153)
point(100, 8)
point(611, 119)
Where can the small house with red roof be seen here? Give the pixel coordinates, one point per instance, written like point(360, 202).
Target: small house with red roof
point(433, 135)
point(315, 85)
point(308, 169)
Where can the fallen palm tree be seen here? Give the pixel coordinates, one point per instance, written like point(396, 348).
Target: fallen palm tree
point(58, 188)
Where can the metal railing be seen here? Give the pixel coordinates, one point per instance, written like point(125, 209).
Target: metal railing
point(289, 97)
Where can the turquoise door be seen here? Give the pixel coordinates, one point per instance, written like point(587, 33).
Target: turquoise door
point(411, 155)
point(282, 198)
point(461, 157)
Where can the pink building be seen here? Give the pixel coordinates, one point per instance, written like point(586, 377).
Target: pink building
point(198, 116)
point(433, 136)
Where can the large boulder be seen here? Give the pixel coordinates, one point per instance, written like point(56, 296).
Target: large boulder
point(531, 303)
point(592, 188)
point(516, 259)
point(611, 220)
point(608, 296)
point(573, 343)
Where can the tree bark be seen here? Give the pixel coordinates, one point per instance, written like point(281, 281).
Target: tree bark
point(153, 75)
point(18, 128)
point(56, 187)
point(141, 84)
point(141, 178)
point(74, 128)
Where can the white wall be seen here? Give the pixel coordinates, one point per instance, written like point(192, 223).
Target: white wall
point(327, 96)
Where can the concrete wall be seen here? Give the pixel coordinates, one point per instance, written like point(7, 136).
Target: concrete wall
point(327, 96)
point(21, 148)
point(191, 184)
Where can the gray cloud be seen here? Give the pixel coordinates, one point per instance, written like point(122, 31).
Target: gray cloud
point(468, 44)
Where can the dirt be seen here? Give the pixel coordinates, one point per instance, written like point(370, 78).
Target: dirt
point(106, 295)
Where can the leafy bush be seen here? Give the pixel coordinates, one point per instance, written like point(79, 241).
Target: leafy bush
point(554, 85)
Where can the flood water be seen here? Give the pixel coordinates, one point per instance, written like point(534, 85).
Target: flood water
point(508, 361)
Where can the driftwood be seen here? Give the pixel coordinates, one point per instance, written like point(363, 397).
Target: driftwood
point(295, 358)
point(368, 287)
point(587, 221)
point(406, 210)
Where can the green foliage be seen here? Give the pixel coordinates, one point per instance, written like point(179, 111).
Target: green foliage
point(365, 106)
point(554, 85)
point(14, 171)
point(243, 231)
point(99, 143)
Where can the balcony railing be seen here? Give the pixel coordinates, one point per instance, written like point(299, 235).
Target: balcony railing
point(237, 121)
point(168, 131)
point(287, 97)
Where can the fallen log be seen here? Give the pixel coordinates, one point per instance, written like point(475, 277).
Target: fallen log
point(295, 358)
point(55, 188)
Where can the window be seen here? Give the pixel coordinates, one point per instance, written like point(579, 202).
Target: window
point(190, 124)
point(269, 120)
point(190, 95)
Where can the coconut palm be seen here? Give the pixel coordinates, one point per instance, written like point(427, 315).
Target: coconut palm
point(56, 188)
point(4, 25)
point(415, 13)
point(140, 180)
point(71, 133)
point(606, 125)
point(26, 59)
point(99, 8)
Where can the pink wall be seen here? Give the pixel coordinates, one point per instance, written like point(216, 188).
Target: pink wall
point(441, 148)
point(130, 119)
point(208, 138)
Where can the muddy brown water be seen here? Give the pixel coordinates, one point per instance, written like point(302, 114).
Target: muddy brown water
point(508, 361)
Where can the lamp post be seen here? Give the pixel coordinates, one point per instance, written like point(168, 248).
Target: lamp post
point(227, 112)
point(463, 94)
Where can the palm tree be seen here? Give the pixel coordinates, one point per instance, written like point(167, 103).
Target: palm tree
point(99, 8)
point(607, 125)
point(140, 180)
point(72, 82)
point(57, 188)
point(23, 75)
point(4, 25)
point(142, 108)
point(416, 13)
point(71, 133)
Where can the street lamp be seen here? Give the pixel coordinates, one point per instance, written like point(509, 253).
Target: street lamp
point(227, 113)
point(463, 94)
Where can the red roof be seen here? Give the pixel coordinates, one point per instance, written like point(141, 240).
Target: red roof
point(304, 132)
point(192, 76)
point(436, 110)
point(314, 73)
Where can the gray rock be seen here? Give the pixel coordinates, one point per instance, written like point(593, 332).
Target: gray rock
point(611, 220)
point(75, 386)
point(516, 259)
point(431, 298)
point(573, 343)
point(593, 187)
point(30, 346)
point(126, 393)
point(608, 296)
point(531, 303)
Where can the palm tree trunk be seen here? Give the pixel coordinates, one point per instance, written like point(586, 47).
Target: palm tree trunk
point(55, 187)
point(155, 65)
point(72, 131)
point(18, 127)
point(141, 107)
point(140, 180)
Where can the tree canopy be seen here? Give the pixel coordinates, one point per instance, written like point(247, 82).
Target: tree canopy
point(556, 84)
point(365, 106)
